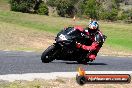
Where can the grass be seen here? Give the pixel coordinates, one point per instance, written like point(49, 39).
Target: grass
point(45, 23)
point(119, 34)
point(58, 83)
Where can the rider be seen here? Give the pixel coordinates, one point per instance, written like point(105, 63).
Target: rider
point(96, 38)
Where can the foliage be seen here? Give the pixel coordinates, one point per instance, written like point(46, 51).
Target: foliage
point(28, 6)
point(91, 8)
point(109, 15)
point(43, 9)
point(21, 5)
point(122, 16)
point(65, 8)
point(52, 3)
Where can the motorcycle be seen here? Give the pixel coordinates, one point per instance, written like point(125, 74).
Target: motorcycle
point(65, 47)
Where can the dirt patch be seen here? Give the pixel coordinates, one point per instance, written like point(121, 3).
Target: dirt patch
point(4, 5)
point(13, 37)
point(58, 83)
point(71, 83)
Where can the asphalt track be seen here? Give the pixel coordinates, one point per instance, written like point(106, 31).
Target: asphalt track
point(14, 62)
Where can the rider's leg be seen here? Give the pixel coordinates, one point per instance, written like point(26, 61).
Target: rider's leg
point(93, 54)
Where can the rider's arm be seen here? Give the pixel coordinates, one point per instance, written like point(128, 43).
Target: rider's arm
point(96, 44)
point(93, 47)
point(79, 28)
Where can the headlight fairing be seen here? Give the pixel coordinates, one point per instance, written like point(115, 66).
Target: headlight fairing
point(62, 37)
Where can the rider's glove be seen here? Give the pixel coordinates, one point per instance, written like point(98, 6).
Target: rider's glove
point(78, 45)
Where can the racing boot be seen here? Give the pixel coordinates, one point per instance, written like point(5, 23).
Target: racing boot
point(92, 57)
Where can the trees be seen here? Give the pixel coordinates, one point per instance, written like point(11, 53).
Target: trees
point(42, 9)
point(98, 9)
point(29, 6)
point(65, 8)
point(52, 3)
point(21, 5)
point(91, 8)
point(109, 15)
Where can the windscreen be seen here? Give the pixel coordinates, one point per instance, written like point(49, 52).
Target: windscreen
point(72, 32)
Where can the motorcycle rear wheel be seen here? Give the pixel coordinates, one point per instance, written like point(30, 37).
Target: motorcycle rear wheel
point(48, 54)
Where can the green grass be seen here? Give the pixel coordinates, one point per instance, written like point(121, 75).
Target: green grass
point(119, 34)
point(45, 23)
point(16, 18)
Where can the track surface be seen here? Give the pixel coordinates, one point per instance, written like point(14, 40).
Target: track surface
point(12, 62)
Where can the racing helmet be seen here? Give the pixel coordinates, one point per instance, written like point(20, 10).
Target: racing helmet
point(93, 27)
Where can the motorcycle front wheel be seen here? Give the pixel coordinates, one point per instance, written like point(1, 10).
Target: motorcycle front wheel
point(48, 54)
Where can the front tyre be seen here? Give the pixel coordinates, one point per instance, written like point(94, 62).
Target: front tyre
point(48, 54)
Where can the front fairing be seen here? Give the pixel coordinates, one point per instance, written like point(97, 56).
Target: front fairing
point(67, 35)
point(70, 36)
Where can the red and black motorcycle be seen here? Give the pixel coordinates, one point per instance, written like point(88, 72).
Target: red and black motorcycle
point(65, 47)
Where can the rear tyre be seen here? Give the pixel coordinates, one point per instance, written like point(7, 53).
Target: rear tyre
point(48, 54)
